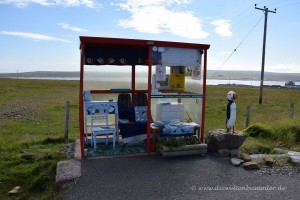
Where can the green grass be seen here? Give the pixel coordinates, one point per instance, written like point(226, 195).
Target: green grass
point(32, 116)
point(274, 108)
point(32, 120)
point(285, 133)
point(271, 119)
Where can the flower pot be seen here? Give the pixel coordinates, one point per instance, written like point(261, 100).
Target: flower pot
point(193, 149)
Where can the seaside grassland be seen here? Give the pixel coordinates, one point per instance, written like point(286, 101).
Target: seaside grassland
point(32, 117)
point(270, 123)
point(275, 105)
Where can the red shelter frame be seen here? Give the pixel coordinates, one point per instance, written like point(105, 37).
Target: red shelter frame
point(95, 42)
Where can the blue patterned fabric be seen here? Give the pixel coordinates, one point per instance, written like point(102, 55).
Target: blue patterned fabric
point(176, 129)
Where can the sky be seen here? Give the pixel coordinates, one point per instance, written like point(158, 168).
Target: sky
point(43, 35)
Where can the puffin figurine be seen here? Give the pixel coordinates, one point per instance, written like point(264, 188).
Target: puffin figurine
point(231, 111)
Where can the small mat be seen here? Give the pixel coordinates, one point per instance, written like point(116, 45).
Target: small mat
point(121, 149)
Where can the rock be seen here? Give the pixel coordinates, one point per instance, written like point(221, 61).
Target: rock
point(295, 156)
point(15, 191)
point(68, 150)
point(67, 172)
point(233, 153)
point(252, 165)
point(269, 161)
point(220, 139)
point(236, 161)
point(245, 157)
point(223, 153)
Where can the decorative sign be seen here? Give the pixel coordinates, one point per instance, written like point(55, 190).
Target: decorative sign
point(160, 73)
point(101, 61)
point(116, 56)
point(166, 56)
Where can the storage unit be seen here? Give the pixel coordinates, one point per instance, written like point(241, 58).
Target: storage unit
point(177, 78)
point(169, 111)
point(177, 82)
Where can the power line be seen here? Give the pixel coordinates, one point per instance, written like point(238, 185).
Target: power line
point(237, 19)
point(242, 41)
point(287, 5)
point(279, 3)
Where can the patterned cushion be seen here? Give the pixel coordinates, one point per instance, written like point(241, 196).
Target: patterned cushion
point(140, 113)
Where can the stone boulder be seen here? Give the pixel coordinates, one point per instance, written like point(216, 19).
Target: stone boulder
point(67, 173)
point(269, 161)
point(220, 139)
point(236, 161)
point(252, 165)
point(245, 157)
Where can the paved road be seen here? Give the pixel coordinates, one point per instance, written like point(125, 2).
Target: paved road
point(154, 177)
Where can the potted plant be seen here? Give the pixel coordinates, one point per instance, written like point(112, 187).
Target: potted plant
point(181, 146)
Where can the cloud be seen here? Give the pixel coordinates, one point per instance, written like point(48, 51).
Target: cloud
point(64, 3)
point(33, 36)
point(222, 27)
point(72, 28)
point(156, 17)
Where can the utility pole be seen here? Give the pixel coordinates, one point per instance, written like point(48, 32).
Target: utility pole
point(266, 11)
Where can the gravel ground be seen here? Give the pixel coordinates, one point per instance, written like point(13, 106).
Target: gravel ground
point(190, 177)
point(68, 150)
point(280, 170)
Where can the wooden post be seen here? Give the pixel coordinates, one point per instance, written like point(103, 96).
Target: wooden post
point(292, 110)
point(248, 115)
point(66, 138)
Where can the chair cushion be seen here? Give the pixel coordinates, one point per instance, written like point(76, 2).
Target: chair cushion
point(140, 113)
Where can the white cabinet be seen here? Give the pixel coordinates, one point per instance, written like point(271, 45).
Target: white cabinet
point(169, 111)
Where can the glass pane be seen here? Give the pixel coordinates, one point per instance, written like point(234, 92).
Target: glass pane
point(180, 71)
point(141, 77)
point(106, 77)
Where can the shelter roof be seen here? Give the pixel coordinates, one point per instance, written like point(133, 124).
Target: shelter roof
point(135, 43)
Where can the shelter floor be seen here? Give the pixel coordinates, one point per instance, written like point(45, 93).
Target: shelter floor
point(121, 149)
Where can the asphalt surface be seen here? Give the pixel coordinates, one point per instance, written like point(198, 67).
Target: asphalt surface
point(190, 177)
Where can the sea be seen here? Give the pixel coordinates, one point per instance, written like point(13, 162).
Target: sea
point(208, 81)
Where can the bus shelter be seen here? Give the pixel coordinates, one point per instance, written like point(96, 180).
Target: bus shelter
point(169, 78)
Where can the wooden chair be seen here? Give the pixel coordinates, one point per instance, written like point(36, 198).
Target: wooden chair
point(99, 115)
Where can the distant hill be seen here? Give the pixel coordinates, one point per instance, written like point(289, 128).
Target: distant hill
point(252, 75)
point(211, 74)
point(41, 74)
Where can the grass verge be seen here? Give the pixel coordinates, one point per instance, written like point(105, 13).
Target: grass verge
point(32, 114)
point(262, 138)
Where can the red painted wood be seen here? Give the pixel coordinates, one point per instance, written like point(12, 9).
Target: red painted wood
point(81, 120)
point(121, 42)
point(149, 147)
point(204, 96)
